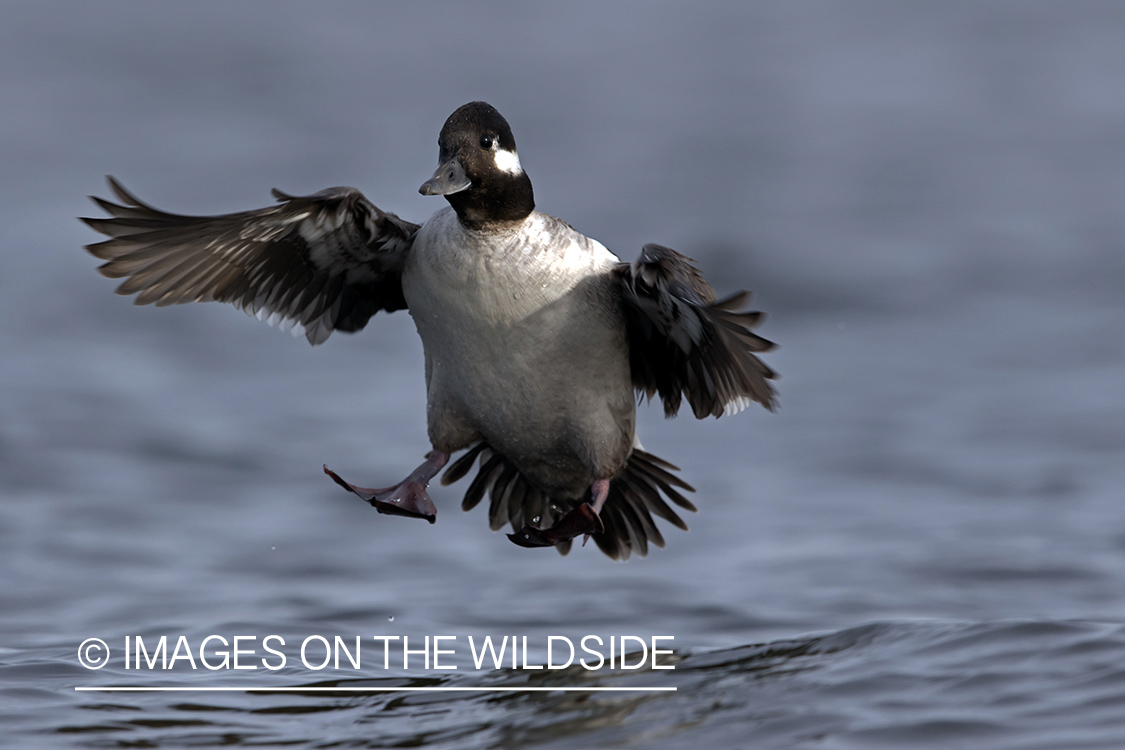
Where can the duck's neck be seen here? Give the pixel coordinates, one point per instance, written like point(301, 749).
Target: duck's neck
point(501, 202)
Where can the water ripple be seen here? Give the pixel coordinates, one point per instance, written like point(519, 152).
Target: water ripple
point(1011, 684)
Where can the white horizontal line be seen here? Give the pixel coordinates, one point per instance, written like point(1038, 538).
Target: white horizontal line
point(142, 689)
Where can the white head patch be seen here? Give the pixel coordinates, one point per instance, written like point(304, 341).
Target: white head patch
point(508, 161)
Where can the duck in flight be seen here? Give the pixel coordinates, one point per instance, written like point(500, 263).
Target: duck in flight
point(539, 342)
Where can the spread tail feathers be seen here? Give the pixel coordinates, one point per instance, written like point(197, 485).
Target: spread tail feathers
point(637, 493)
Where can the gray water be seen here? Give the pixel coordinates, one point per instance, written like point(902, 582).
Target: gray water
point(925, 547)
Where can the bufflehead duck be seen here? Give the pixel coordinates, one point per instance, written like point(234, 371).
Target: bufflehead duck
point(539, 342)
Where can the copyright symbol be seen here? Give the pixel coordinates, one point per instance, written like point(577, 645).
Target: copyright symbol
point(93, 653)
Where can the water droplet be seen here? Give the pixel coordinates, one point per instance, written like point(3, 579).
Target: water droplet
point(272, 547)
point(391, 618)
point(535, 520)
point(397, 500)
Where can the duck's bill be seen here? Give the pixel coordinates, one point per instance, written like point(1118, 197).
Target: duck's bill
point(448, 179)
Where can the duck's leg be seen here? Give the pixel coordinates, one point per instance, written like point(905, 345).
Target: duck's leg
point(408, 497)
point(583, 519)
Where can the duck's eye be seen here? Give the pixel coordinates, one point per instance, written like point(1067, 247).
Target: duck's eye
point(486, 142)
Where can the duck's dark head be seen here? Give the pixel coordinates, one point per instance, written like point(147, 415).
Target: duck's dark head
point(479, 173)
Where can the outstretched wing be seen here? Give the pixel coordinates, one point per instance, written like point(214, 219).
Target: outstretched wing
point(682, 342)
point(318, 263)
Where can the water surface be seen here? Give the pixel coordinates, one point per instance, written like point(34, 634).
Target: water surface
point(924, 547)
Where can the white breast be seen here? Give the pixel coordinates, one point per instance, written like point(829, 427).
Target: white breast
point(522, 333)
point(501, 277)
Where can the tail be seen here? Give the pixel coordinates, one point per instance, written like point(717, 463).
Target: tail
point(636, 493)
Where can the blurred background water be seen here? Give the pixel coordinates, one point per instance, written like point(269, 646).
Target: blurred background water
point(925, 547)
